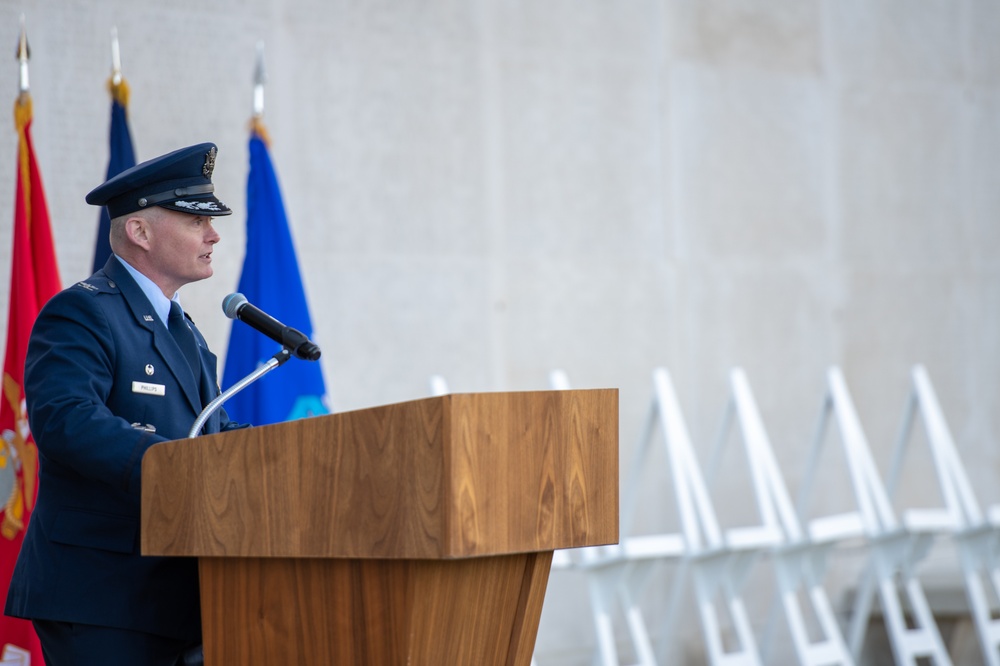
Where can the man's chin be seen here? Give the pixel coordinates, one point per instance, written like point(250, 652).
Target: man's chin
point(205, 273)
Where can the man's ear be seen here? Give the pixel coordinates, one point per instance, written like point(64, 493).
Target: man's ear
point(137, 231)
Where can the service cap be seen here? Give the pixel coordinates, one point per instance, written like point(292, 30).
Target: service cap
point(180, 180)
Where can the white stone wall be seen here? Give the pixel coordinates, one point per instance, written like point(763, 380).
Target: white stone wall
point(490, 189)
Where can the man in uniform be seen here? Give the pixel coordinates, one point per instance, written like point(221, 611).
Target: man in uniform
point(113, 367)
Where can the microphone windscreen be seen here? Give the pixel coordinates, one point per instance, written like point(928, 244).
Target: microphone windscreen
point(232, 303)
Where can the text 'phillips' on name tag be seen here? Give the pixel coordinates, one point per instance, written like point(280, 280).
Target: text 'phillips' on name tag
point(149, 389)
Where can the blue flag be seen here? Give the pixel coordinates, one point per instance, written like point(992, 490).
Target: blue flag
point(121, 157)
point(271, 281)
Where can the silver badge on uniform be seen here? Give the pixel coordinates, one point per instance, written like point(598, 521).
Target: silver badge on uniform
point(149, 368)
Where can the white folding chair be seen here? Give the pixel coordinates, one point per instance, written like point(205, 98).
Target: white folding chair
point(895, 547)
point(799, 562)
point(975, 535)
point(718, 560)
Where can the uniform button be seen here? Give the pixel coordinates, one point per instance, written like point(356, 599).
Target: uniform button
point(111, 283)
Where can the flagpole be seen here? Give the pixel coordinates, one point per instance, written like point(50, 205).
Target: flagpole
point(259, 79)
point(257, 109)
point(121, 153)
point(23, 53)
point(116, 58)
point(117, 83)
point(22, 107)
point(23, 112)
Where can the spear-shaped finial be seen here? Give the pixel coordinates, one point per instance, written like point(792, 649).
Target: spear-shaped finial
point(116, 58)
point(116, 84)
point(23, 53)
point(22, 106)
point(259, 79)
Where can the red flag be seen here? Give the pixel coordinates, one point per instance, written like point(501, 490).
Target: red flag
point(34, 278)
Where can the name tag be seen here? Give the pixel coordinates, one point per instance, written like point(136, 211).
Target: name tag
point(149, 389)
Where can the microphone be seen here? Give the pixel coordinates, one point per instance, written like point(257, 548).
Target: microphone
point(236, 306)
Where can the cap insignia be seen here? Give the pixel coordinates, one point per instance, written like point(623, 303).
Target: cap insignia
point(209, 162)
point(197, 205)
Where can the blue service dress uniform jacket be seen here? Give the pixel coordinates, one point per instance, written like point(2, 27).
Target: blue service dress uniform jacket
point(104, 381)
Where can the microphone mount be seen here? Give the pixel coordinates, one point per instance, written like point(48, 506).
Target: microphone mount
point(271, 364)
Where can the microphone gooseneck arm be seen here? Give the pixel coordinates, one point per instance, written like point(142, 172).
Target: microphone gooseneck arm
point(271, 364)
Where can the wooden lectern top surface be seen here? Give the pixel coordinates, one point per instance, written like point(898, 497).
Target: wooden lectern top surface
point(453, 476)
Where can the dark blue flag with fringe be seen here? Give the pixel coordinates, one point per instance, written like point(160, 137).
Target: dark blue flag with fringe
point(271, 281)
point(121, 157)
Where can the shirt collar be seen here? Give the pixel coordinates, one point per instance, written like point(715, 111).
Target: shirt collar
point(160, 303)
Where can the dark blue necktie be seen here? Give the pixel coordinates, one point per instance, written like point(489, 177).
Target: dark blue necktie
point(184, 336)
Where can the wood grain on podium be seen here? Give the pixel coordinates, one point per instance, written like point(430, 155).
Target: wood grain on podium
point(478, 611)
point(447, 477)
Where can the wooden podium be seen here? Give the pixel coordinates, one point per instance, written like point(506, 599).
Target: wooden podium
point(418, 533)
